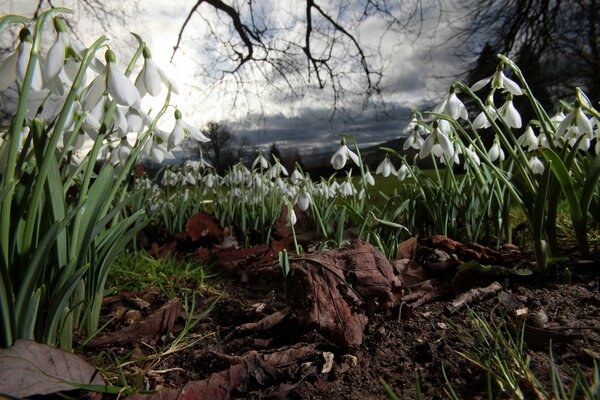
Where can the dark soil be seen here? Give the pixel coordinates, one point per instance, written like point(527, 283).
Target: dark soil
point(254, 345)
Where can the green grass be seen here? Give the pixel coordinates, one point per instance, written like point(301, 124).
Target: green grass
point(138, 270)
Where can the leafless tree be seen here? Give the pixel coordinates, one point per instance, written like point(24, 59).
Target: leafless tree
point(220, 150)
point(562, 36)
point(317, 46)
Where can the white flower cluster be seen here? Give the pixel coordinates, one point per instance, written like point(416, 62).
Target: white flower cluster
point(55, 75)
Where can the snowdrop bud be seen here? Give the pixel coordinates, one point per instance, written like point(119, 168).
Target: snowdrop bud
point(402, 172)
point(303, 199)
point(56, 55)
point(124, 151)
point(510, 113)
point(369, 178)
point(536, 166)
point(292, 219)
point(495, 152)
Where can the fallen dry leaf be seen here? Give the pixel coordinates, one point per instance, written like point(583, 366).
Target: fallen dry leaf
point(332, 290)
point(203, 225)
point(252, 368)
point(149, 329)
point(29, 368)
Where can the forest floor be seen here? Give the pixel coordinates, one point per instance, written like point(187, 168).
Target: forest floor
point(445, 319)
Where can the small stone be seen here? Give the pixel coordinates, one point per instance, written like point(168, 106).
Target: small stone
point(328, 356)
point(521, 312)
point(351, 360)
point(539, 318)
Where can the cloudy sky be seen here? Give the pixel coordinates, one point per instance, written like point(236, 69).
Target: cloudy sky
point(263, 108)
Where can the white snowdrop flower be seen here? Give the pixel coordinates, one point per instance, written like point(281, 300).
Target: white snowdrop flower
point(277, 169)
point(195, 133)
point(177, 135)
point(135, 121)
point(576, 118)
point(481, 121)
point(452, 106)
point(292, 219)
point(340, 157)
point(414, 141)
point(296, 176)
point(121, 89)
point(261, 161)
point(209, 180)
point(280, 184)
point(437, 143)
point(499, 81)
point(510, 113)
point(495, 152)
point(543, 140)
point(303, 199)
point(402, 172)
point(471, 155)
point(149, 79)
point(528, 139)
point(120, 121)
point(14, 66)
point(558, 118)
point(347, 189)
point(369, 178)
point(536, 166)
point(124, 150)
point(386, 168)
point(63, 60)
point(158, 153)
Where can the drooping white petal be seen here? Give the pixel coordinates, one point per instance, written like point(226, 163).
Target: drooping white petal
point(134, 120)
point(353, 157)
point(120, 87)
point(303, 199)
point(169, 82)
point(196, 134)
point(177, 135)
point(8, 71)
point(121, 121)
point(427, 146)
point(124, 151)
point(481, 84)
point(152, 80)
point(402, 172)
point(511, 86)
point(93, 93)
point(55, 58)
point(511, 115)
point(338, 159)
point(583, 123)
point(446, 144)
point(495, 152)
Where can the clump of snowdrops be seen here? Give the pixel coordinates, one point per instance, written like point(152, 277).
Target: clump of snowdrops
point(533, 165)
point(78, 127)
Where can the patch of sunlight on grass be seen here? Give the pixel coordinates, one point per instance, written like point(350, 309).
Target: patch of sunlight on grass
point(138, 270)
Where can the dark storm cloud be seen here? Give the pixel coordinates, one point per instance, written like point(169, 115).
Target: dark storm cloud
point(313, 130)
